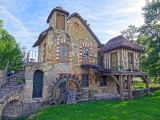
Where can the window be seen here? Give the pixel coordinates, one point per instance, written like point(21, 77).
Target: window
point(130, 58)
point(60, 23)
point(64, 53)
point(85, 80)
point(85, 52)
point(130, 62)
point(103, 81)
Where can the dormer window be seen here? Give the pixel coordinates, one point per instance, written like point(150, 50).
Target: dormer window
point(60, 22)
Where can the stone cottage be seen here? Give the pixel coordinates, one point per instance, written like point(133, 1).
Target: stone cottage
point(71, 57)
point(70, 48)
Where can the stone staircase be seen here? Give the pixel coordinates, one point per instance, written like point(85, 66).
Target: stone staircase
point(10, 82)
point(10, 90)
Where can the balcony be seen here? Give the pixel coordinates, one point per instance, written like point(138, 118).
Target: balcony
point(36, 57)
point(112, 66)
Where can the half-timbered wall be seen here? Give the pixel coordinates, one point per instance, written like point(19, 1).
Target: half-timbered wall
point(122, 59)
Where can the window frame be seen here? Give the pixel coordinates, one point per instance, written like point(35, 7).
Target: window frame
point(85, 80)
point(85, 52)
point(64, 53)
point(130, 58)
point(104, 82)
point(58, 24)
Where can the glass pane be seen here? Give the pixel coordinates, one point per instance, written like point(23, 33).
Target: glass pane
point(86, 52)
point(66, 50)
point(83, 52)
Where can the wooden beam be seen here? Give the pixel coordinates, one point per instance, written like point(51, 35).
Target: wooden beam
point(121, 88)
point(115, 79)
point(147, 86)
point(130, 87)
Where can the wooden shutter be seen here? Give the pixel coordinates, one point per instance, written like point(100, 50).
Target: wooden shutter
point(60, 23)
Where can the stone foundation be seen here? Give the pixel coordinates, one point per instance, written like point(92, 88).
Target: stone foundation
point(17, 109)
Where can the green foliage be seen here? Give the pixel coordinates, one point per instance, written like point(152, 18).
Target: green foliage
point(151, 29)
point(120, 67)
point(21, 80)
point(10, 50)
point(144, 108)
point(148, 37)
point(131, 33)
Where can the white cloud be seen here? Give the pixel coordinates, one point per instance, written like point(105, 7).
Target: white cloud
point(16, 28)
point(26, 20)
point(112, 32)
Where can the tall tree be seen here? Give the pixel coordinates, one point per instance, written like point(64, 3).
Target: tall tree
point(9, 50)
point(151, 29)
point(131, 33)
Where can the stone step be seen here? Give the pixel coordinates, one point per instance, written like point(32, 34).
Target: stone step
point(1, 92)
point(4, 89)
point(7, 87)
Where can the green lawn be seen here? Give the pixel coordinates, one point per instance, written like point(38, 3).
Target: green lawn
point(145, 108)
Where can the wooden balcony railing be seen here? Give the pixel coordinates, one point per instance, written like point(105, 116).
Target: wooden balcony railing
point(114, 66)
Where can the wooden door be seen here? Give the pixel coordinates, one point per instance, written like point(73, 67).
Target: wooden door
point(114, 61)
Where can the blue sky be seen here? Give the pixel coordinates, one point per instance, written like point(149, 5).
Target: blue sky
point(26, 19)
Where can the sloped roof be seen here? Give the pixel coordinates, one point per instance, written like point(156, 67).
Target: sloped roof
point(87, 27)
point(41, 36)
point(120, 42)
point(44, 33)
point(59, 9)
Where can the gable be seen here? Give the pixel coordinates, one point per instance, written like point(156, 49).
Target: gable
point(79, 28)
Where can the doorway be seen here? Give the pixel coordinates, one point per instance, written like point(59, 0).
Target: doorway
point(37, 84)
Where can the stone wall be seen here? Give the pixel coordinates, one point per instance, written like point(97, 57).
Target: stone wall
point(16, 109)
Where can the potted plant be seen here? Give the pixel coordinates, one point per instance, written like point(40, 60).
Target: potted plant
point(136, 70)
point(129, 69)
point(31, 60)
point(21, 80)
point(120, 68)
point(9, 73)
point(13, 70)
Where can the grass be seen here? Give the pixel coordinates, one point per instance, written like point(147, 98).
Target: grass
point(140, 84)
point(145, 108)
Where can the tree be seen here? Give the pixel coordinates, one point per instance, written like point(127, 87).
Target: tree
point(151, 29)
point(131, 33)
point(10, 50)
point(148, 37)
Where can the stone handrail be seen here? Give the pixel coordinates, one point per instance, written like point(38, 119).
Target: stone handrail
point(13, 91)
point(6, 70)
point(11, 78)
